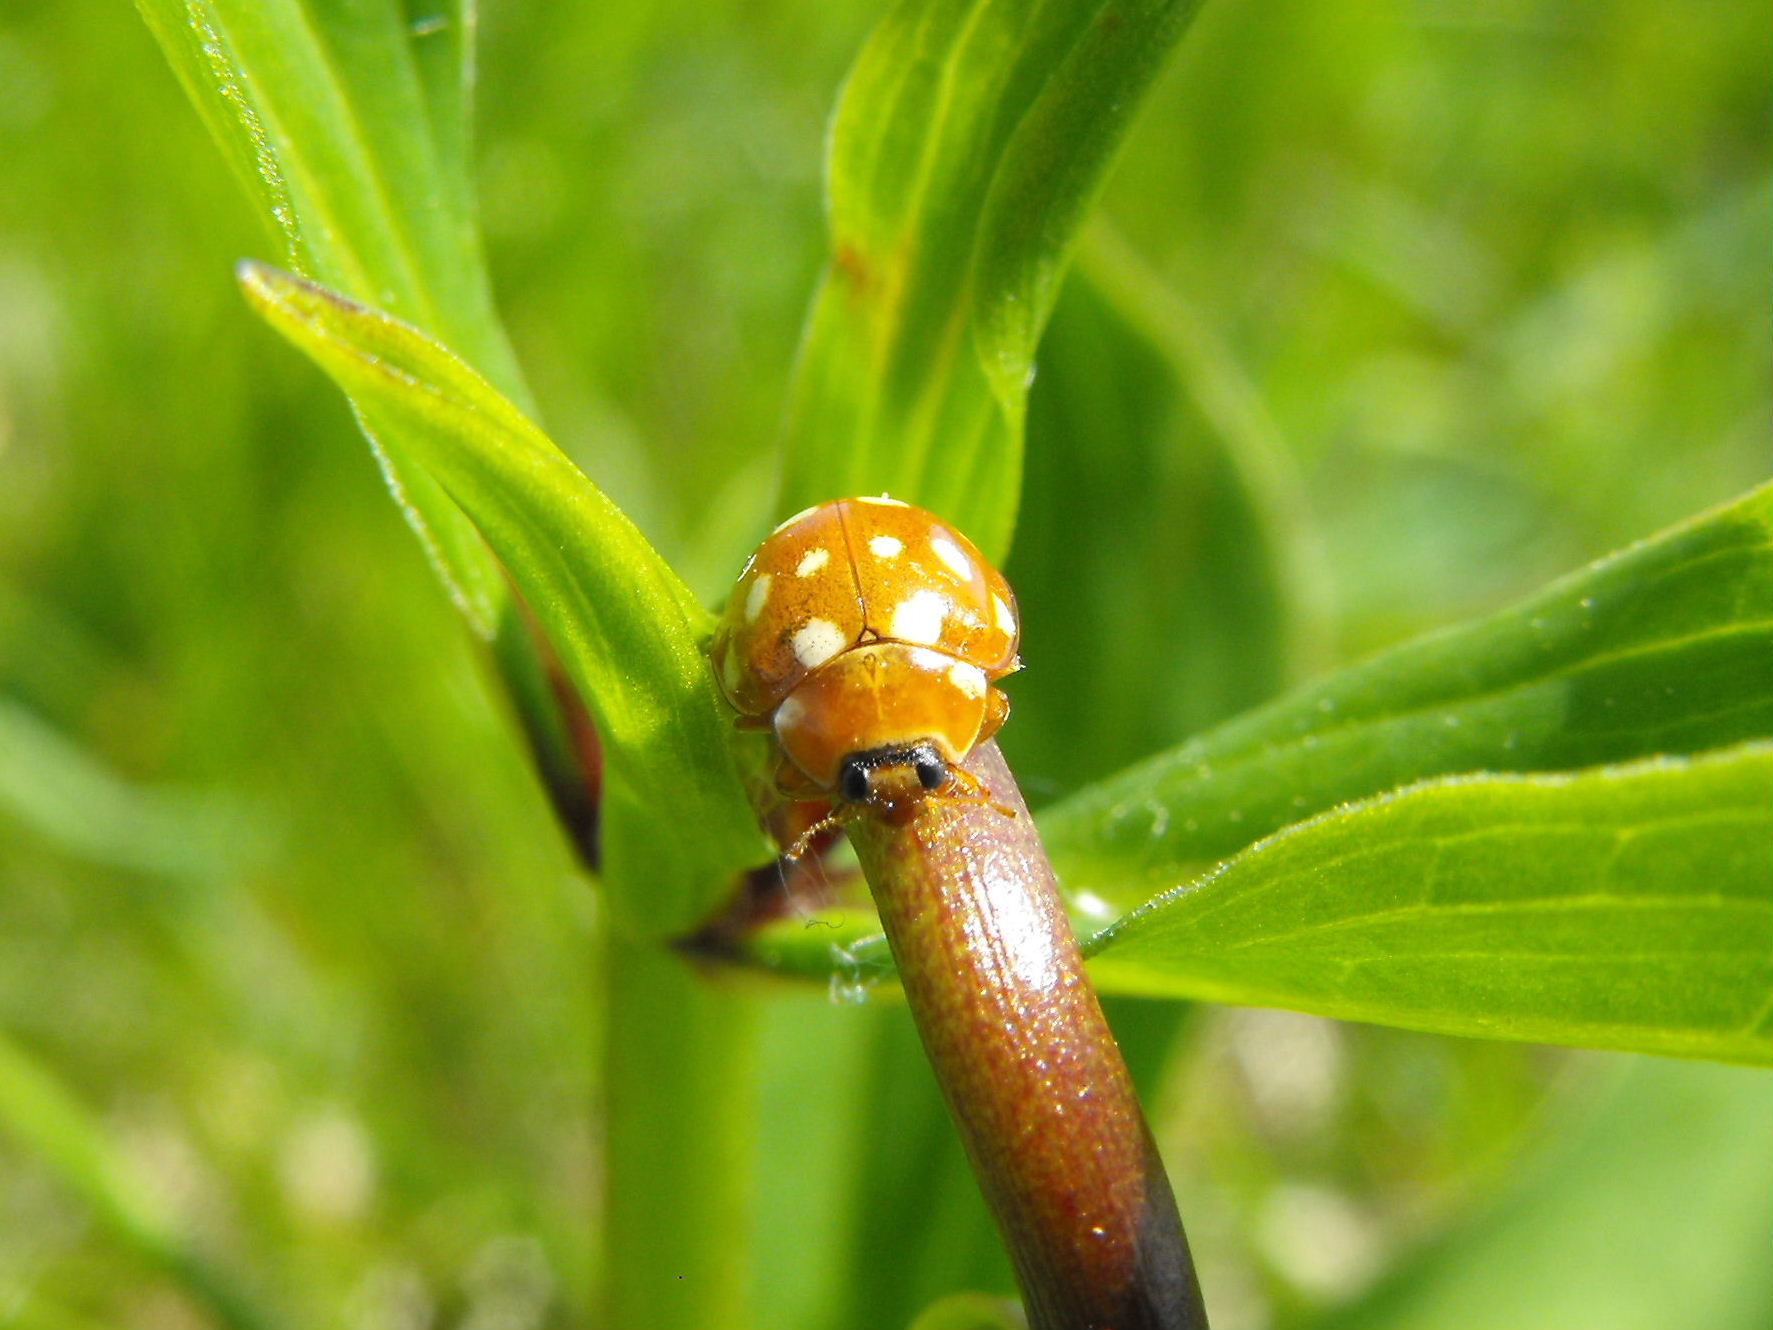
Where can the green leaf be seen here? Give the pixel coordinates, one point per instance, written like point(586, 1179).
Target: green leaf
point(1625, 907)
point(1661, 648)
point(627, 630)
point(970, 141)
point(347, 123)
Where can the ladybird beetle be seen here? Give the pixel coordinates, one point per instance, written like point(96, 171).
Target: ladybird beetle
point(867, 634)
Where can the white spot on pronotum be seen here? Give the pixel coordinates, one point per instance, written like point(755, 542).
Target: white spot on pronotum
point(919, 618)
point(817, 641)
point(789, 713)
point(732, 672)
point(885, 547)
point(950, 553)
point(970, 679)
point(757, 597)
point(885, 501)
point(804, 512)
point(1006, 619)
point(812, 561)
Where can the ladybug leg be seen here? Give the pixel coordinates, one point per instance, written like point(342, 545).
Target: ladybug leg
point(795, 785)
point(805, 814)
point(997, 711)
point(751, 724)
point(974, 791)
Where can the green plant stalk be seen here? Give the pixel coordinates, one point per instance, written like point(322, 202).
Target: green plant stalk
point(1029, 1068)
point(680, 1057)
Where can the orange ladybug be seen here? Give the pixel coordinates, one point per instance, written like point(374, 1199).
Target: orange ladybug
point(867, 634)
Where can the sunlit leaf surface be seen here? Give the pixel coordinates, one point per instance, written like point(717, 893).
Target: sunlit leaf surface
point(1627, 907)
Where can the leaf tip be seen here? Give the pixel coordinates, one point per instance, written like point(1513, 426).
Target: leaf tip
point(272, 292)
point(258, 281)
point(269, 291)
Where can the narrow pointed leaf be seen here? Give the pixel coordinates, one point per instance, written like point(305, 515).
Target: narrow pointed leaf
point(970, 141)
point(348, 124)
point(1624, 907)
point(627, 630)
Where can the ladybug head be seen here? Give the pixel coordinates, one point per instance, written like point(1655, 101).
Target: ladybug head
point(891, 779)
point(881, 724)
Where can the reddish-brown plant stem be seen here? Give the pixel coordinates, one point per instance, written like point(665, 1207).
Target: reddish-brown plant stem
point(1030, 1070)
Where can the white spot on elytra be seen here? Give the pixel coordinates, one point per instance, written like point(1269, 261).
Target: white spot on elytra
point(757, 597)
point(919, 617)
point(950, 553)
point(884, 500)
point(1006, 620)
point(804, 512)
point(970, 679)
point(812, 561)
point(886, 547)
point(732, 673)
point(817, 641)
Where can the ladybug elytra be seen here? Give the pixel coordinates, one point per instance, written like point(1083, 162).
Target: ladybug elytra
point(867, 634)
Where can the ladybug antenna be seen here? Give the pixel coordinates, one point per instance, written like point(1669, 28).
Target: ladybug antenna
point(803, 842)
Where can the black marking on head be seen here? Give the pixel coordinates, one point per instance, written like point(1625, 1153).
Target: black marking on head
point(854, 778)
point(852, 782)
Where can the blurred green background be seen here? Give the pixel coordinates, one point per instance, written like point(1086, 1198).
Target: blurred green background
point(283, 909)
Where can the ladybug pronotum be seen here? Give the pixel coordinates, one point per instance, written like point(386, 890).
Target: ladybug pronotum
point(867, 634)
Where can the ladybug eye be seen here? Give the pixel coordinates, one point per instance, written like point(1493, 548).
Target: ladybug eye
point(853, 783)
point(932, 771)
